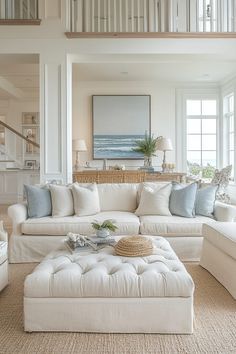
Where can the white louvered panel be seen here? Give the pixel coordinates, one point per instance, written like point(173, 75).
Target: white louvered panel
point(78, 23)
point(114, 16)
point(218, 16)
point(145, 27)
point(21, 8)
point(86, 15)
point(150, 14)
point(120, 16)
point(98, 16)
point(138, 16)
point(105, 15)
point(28, 9)
point(156, 15)
point(163, 9)
point(92, 16)
point(197, 16)
point(141, 15)
point(187, 20)
point(109, 16)
point(13, 13)
point(126, 16)
point(2, 9)
point(204, 15)
point(72, 17)
point(227, 14)
point(212, 17)
point(132, 16)
point(234, 16)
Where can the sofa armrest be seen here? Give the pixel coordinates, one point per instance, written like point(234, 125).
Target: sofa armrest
point(225, 212)
point(18, 214)
point(3, 233)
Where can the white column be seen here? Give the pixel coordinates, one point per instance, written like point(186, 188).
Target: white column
point(55, 127)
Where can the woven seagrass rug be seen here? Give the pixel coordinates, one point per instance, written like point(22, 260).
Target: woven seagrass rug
point(215, 325)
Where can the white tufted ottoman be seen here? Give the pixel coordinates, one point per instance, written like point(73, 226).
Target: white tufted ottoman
point(100, 292)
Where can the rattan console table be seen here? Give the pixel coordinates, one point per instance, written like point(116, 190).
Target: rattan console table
point(127, 176)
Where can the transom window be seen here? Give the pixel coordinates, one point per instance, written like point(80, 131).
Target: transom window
point(201, 115)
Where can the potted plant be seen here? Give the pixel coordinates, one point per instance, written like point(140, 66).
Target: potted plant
point(147, 147)
point(103, 229)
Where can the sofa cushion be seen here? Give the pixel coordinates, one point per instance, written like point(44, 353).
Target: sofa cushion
point(182, 200)
point(127, 223)
point(172, 225)
point(153, 185)
point(38, 201)
point(62, 200)
point(118, 196)
point(205, 201)
point(86, 199)
point(223, 236)
point(154, 201)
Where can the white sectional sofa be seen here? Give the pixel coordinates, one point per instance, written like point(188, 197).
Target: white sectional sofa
point(32, 239)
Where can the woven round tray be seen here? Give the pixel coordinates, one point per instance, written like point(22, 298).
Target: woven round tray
point(134, 246)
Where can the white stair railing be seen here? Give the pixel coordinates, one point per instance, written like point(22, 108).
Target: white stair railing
point(152, 16)
point(19, 9)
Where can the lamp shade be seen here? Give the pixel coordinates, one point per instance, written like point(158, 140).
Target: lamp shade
point(79, 145)
point(164, 144)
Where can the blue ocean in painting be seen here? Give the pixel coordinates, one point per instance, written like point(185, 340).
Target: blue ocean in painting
point(116, 146)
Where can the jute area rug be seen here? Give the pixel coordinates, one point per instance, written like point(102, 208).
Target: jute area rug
point(215, 325)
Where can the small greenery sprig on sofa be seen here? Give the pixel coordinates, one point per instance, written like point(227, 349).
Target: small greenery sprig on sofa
point(108, 224)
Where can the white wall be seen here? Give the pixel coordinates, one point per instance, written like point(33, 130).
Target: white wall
point(162, 112)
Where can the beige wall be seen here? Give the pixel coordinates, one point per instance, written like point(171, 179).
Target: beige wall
point(162, 112)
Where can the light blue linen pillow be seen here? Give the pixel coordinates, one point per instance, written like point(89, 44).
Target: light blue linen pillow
point(38, 201)
point(182, 200)
point(205, 201)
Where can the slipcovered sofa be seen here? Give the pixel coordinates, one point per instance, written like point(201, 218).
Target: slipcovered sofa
point(33, 238)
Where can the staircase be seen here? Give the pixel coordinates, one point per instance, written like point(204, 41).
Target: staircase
point(12, 147)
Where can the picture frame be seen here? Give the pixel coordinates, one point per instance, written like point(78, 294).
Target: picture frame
point(32, 133)
point(30, 164)
point(30, 118)
point(118, 121)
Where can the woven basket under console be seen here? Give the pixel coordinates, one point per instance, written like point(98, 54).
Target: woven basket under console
point(134, 246)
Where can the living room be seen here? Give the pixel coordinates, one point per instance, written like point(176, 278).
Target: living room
point(118, 199)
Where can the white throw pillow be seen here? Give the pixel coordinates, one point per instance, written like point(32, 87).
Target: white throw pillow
point(62, 201)
point(154, 201)
point(153, 185)
point(86, 199)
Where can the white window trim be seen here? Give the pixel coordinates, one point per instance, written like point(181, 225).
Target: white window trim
point(227, 92)
point(181, 126)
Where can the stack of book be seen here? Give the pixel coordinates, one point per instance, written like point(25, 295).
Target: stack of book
point(77, 243)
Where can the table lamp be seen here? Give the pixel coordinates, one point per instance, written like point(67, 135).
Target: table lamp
point(78, 145)
point(164, 144)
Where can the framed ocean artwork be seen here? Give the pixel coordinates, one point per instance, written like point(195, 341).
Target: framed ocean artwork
point(118, 121)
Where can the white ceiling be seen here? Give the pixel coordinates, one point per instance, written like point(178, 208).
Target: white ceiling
point(21, 72)
point(168, 68)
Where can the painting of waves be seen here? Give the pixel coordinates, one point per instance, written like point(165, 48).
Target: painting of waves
point(116, 146)
point(118, 121)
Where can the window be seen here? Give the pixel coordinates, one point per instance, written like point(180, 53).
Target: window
point(229, 124)
point(201, 115)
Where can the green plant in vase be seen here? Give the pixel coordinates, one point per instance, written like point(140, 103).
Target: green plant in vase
point(103, 229)
point(147, 147)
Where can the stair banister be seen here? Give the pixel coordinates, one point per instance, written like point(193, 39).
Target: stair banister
point(19, 134)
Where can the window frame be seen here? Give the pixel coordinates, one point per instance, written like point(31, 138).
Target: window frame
point(226, 127)
point(181, 128)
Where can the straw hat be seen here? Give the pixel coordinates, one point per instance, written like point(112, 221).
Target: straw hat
point(134, 246)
